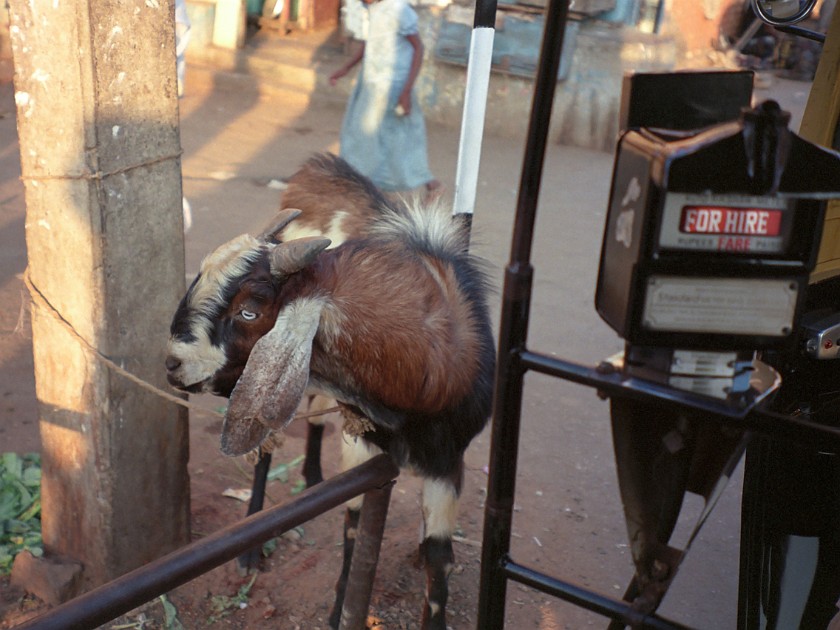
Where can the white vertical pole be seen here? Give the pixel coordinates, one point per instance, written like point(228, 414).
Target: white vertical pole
point(472, 123)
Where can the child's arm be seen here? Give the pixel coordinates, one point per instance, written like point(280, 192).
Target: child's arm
point(356, 58)
point(416, 62)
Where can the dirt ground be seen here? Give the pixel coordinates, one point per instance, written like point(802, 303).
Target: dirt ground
point(237, 143)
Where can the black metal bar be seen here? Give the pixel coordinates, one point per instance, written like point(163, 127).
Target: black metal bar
point(354, 612)
point(485, 14)
point(537, 138)
point(586, 598)
point(504, 450)
point(162, 575)
point(660, 16)
point(614, 383)
point(516, 301)
point(752, 517)
point(802, 32)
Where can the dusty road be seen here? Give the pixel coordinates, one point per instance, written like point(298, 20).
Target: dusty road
point(237, 144)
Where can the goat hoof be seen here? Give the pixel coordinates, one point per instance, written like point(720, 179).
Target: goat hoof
point(438, 622)
point(335, 618)
point(248, 563)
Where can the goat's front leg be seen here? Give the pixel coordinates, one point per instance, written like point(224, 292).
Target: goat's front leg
point(312, 463)
point(250, 560)
point(354, 451)
point(440, 510)
point(314, 435)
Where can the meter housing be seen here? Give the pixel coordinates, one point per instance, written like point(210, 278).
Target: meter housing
point(711, 234)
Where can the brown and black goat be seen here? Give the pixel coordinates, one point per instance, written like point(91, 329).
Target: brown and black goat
point(335, 202)
point(393, 325)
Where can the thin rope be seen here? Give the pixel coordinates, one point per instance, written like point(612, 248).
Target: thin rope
point(99, 175)
point(41, 300)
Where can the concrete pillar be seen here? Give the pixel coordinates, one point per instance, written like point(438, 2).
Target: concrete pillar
point(97, 113)
point(230, 24)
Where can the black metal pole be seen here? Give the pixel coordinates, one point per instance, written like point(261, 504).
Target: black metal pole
point(485, 14)
point(160, 576)
point(752, 537)
point(504, 446)
point(537, 138)
point(513, 335)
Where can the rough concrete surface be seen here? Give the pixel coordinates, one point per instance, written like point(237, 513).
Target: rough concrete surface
point(48, 579)
point(238, 144)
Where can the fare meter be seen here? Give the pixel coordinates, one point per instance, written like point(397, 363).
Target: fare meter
point(709, 241)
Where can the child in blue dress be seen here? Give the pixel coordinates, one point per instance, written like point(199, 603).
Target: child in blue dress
point(383, 134)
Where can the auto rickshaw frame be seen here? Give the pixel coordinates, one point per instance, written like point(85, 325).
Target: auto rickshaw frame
point(769, 425)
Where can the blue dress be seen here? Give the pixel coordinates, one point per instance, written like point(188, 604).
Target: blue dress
point(389, 149)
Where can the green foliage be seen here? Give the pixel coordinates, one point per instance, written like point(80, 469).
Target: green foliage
point(269, 547)
point(223, 605)
point(140, 624)
point(20, 507)
point(281, 471)
point(170, 613)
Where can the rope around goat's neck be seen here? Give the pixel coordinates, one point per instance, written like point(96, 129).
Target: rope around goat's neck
point(41, 301)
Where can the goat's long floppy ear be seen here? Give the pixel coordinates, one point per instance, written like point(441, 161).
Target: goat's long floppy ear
point(283, 218)
point(291, 257)
point(274, 379)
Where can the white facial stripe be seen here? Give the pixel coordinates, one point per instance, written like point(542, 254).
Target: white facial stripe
point(200, 358)
point(229, 261)
point(440, 508)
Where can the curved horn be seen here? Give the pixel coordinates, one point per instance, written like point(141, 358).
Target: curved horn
point(288, 258)
point(283, 218)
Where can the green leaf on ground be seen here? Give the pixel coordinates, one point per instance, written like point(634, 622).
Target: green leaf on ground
point(170, 614)
point(20, 507)
point(281, 471)
point(224, 605)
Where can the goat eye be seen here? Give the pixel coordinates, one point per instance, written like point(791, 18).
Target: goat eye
point(248, 315)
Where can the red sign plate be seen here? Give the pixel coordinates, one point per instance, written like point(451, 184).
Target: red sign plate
point(731, 221)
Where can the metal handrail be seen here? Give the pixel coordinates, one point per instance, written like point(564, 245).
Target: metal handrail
point(614, 383)
point(585, 598)
point(128, 591)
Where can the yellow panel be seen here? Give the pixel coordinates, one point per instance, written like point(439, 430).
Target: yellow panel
point(828, 261)
point(818, 125)
point(833, 210)
point(821, 112)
